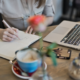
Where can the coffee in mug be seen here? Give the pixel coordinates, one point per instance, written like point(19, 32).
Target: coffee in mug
point(29, 57)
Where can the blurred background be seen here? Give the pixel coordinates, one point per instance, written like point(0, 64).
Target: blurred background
point(66, 10)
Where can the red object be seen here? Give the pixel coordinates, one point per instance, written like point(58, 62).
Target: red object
point(34, 21)
point(18, 72)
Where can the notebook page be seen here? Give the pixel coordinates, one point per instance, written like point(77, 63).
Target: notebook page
point(7, 49)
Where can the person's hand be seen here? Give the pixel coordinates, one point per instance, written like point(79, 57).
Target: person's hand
point(38, 23)
point(30, 30)
point(9, 34)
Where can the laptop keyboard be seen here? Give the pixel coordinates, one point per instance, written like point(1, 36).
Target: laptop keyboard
point(73, 37)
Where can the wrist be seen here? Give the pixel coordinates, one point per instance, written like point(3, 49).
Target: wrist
point(49, 20)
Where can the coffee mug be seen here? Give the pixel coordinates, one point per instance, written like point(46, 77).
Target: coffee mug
point(28, 60)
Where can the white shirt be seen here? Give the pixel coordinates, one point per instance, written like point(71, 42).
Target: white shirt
point(16, 12)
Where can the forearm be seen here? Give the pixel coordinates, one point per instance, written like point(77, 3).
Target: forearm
point(49, 20)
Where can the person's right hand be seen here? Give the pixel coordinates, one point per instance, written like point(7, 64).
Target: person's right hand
point(9, 34)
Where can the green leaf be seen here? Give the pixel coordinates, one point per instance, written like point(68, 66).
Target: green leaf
point(53, 45)
point(50, 48)
point(48, 52)
point(40, 53)
point(53, 57)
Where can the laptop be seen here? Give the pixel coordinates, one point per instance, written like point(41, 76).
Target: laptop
point(67, 34)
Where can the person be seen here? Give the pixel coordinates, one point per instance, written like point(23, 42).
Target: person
point(16, 13)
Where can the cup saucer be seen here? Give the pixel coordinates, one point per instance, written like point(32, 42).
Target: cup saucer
point(17, 73)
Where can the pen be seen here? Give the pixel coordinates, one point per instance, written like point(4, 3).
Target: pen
point(7, 25)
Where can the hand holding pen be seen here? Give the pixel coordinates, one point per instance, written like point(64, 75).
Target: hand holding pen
point(9, 34)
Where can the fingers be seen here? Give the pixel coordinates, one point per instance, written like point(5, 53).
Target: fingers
point(30, 30)
point(12, 31)
point(7, 39)
point(9, 34)
point(16, 30)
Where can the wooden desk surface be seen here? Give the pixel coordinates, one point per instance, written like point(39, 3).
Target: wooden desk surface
point(58, 73)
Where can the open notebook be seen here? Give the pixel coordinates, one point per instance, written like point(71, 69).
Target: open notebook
point(7, 49)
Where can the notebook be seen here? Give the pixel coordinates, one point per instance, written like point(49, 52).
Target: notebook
point(7, 49)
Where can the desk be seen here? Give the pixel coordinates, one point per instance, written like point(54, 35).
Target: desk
point(58, 73)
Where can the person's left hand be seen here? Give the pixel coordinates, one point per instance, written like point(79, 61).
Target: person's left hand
point(30, 30)
point(37, 23)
